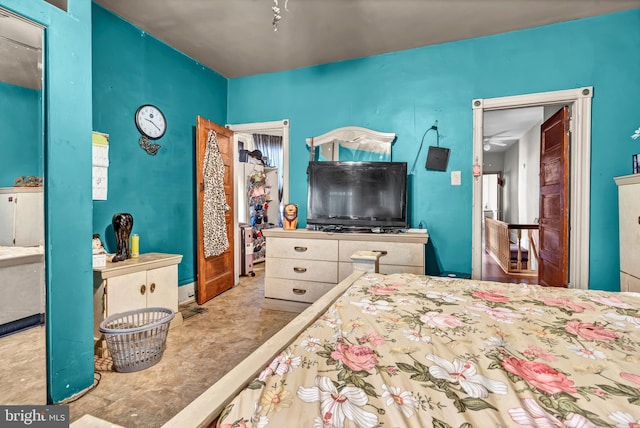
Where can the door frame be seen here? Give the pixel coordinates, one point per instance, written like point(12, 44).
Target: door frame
point(278, 127)
point(579, 100)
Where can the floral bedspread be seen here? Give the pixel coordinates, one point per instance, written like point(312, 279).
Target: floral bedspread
point(405, 350)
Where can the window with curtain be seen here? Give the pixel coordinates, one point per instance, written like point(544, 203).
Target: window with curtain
point(271, 147)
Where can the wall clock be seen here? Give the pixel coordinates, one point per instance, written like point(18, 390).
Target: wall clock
point(152, 124)
point(150, 121)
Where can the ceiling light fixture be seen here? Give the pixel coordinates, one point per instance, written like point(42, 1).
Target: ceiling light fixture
point(276, 13)
point(487, 147)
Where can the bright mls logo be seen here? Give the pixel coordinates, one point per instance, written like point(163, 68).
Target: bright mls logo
point(34, 416)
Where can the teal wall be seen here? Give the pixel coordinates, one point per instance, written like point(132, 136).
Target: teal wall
point(405, 92)
point(67, 192)
point(22, 149)
point(131, 68)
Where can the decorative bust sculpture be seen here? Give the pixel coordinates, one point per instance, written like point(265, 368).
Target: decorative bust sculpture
point(290, 217)
point(122, 225)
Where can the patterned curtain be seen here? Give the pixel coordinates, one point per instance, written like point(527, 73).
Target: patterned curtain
point(271, 147)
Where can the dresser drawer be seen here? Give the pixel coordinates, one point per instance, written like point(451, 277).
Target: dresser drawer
point(397, 253)
point(293, 248)
point(302, 270)
point(299, 291)
point(629, 282)
point(345, 269)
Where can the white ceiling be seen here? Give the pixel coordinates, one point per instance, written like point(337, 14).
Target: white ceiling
point(504, 128)
point(236, 37)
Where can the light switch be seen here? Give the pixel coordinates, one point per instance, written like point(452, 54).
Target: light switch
point(455, 178)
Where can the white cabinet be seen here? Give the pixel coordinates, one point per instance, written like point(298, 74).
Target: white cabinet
point(150, 280)
point(302, 264)
point(21, 216)
point(629, 208)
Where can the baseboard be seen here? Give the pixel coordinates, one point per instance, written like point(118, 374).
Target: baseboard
point(187, 293)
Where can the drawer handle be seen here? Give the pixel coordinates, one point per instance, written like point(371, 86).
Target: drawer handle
point(638, 220)
point(299, 269)
point(143, 288)
point(153, 287)
point(299, 291)
point(382, 252)
point(300, 249)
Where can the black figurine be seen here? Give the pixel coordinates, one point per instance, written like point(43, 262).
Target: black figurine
point(122, 225)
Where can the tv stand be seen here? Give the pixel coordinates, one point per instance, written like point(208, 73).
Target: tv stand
point(302, 265)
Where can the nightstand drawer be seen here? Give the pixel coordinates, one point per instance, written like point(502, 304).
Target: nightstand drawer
point(292, 248)
point(299, 291)
point(398, 253)
point(302, 270)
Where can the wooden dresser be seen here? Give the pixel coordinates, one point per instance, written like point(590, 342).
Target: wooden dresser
point(629, 205)
point(302, 265)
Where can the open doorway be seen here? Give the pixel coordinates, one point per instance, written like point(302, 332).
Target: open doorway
point(579, 101)
point(274, 169)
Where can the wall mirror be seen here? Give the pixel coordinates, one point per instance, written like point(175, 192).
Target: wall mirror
point(22, 265)
point(352, 143)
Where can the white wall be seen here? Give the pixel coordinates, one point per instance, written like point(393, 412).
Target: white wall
point(511, 175)
point(529, 196)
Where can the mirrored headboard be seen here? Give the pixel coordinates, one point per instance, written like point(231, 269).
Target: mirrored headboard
point(352, 143)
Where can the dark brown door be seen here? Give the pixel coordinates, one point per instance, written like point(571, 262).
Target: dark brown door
point(554, 200)
point(215, 273)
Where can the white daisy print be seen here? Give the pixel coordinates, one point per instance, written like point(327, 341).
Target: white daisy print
point(336, 406)
point(465, 374)
point(587, 352)
point(401, 400)
point(372, 308)
point(310, 344)
point(416, 336)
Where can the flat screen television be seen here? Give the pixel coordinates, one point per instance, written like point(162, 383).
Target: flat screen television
point(357, 195)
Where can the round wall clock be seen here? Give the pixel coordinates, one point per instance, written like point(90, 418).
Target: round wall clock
point(150, 121)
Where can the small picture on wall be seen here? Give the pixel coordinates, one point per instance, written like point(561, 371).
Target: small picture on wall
point(635, 163)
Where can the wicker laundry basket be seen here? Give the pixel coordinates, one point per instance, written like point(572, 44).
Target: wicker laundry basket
point(136, 339)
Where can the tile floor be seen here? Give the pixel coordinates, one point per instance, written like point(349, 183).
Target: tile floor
point(199, 352)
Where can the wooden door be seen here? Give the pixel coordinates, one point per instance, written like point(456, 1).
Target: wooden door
point(554, 200)
point(216, 273)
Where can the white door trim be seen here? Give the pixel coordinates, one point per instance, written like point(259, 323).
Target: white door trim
point(580, 101)
point(278, 127)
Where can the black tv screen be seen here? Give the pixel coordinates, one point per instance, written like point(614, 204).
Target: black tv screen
point(357, 195)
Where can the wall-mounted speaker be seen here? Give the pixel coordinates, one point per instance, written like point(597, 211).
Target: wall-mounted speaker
point(437, 158)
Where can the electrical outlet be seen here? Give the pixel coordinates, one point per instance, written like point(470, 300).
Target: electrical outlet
point(455, 178)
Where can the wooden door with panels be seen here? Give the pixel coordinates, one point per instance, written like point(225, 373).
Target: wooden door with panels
point(216, 273)
point(553, 266)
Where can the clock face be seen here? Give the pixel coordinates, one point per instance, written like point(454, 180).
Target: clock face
point(150, 121)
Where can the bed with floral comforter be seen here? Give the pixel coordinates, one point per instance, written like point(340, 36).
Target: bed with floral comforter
point(405, 350)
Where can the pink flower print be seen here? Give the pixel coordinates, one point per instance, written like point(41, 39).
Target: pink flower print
point(440, 320)
point(356, 357)
point(537, 352)
point(381, 290)
point(570, 304)
point(589, 331)
point(490, 297)
point(631, 377)
point(372, 338)
point(539, 375)
point(612, 301)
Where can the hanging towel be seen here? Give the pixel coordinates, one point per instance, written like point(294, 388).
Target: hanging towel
point(215, 204)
